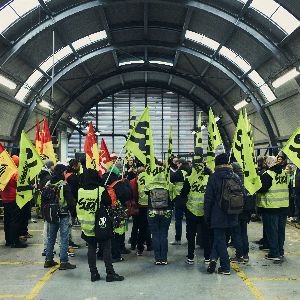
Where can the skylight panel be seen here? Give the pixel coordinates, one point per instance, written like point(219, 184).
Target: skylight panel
point(21, 7)
point(267, 92)
point(97, 36)
point(240, 105)
point(228, 53)
point(89, 39)
point(202, 39)
point(265, 7)
point(209, 43)
point(256, 78)
point(293, 73)
point(7, 17)
point(81, 42)
point(22, 93)
point(159, 62)
point(129, 62)
point(7, 82)
point(285, 20)
point(34, 78)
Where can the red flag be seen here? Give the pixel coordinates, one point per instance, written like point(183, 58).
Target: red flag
point(104, 158)
point(47, 151)
point(38, 142)
point(91, 149)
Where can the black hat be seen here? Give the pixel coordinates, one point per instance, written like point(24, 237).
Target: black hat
point(59, 170)
point(222, 159)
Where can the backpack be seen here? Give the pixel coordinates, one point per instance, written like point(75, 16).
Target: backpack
point(232, 196)
point(159, 198)
point(50, 205)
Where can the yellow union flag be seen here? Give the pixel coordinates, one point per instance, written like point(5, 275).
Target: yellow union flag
point(292, 148)
point(7, 168)
point(30, 166)
point(140, 143)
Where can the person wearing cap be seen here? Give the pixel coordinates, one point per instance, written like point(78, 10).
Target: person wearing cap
point(67, 206)
point(274, 203)
point(113, 157)
point(218, 220)
point(12, 212)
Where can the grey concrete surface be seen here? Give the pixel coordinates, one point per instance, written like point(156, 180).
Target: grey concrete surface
point(144, 280)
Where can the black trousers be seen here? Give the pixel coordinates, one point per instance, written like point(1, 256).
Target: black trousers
point(143, 232)
point(106, 250)
point(192, 223)
point(12, 215)
point(116, 245)
point(24, 218)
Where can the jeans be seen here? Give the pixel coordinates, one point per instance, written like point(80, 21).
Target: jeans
point(11, 222)
point(143, 233)
point(116, 245)
point(297, 205)
point(159, 226)
point(105, 247)
point(275, 230)
point(240, 238)
point(192, 223)
point(179, 212)
point(63, 227)
point(219, 249)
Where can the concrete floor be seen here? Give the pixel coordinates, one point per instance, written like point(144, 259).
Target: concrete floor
point(22, 274)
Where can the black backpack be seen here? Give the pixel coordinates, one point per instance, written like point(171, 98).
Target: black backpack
point(123, 190)
point(232, 196)
point(159, 198)
point(50, 203)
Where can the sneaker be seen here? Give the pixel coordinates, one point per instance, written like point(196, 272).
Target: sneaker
point(44, 252)
point(71, 254)
point(271, 257)
point(66, 266)
point(139, 253)
point(211, 266)
point(33, 220)
point(175, 242)
point(220, 271)
point(28, 236)
point(164, 263)
point(246, 258)
point(115, 260)
point(189, 261)
point(95, 277)
point(114, 277)
point(50, 264)
point(22, 238)
point(73, 245)
point(206, 261)
point(125, 251)
point(157, 263)
point(238, 260)
point(264, 248)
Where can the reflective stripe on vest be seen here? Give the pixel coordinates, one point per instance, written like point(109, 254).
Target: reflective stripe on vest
point(278, 194)
point(195, 201)
point(86, 209)
point(143, 198)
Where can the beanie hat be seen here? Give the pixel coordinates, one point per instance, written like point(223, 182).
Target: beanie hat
point(48, 163)
point(15, 158)
point(59, 170)
point(222, 159)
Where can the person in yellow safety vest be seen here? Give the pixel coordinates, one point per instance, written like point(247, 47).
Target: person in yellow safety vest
point(273, 203)
point(141, 233)
point(114, 180)
point(177, 179)
point(89, 197)
point(194, 190)
point(159, 213)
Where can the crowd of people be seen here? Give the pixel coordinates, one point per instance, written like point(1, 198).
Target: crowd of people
point(129, 191)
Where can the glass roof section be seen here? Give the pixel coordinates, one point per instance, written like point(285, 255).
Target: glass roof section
point(90, 39)
point(14, 11)
point(201, 39)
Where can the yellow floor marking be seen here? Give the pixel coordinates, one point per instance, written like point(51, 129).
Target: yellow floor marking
point(250, 285)
point(275, 278)
point(293, 252)
point(40, 284)
point(12, 296)
point(21, 262)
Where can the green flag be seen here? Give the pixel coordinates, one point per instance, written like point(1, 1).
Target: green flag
point(140, 141)
point(244, 154)
point(198, 152)
point(30, 166)
point(167, 169)
point(292, 148)
point(214, 139)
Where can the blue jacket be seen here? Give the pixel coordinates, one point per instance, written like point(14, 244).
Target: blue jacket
point(213, 214)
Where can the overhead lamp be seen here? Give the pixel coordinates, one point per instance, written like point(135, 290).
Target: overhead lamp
point(7, 83)
point(160, 62)
point(240, 105)
point(217, 119)
point(293, 73)
point(46, 104)
point(97, 133)
point(129, 62)
point(74, 121)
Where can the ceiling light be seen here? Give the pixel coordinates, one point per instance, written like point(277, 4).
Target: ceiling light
point(159, 62)
point(74, 121)
point(240, 105)
point(7, 82)
point(217, 119)
point(285, 78)
point(46, 104)
point(129, 62)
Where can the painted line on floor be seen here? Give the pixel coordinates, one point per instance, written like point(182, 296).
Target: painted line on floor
point(275, 279)
point(40, 284)
point(22, 262)
point(12, 296)
point(250, 285)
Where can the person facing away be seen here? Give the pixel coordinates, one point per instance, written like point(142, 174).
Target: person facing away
point(218, 220)
point(67, 207)
point(90, 196)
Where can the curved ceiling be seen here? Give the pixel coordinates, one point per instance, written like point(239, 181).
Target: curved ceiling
point(210, 47)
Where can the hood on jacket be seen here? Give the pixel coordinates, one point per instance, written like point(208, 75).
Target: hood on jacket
point(90, 179)
point(223, 171)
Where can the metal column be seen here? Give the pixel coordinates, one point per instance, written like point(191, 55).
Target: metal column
point(113, 121)
point(178, 124)
point(162, 124)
